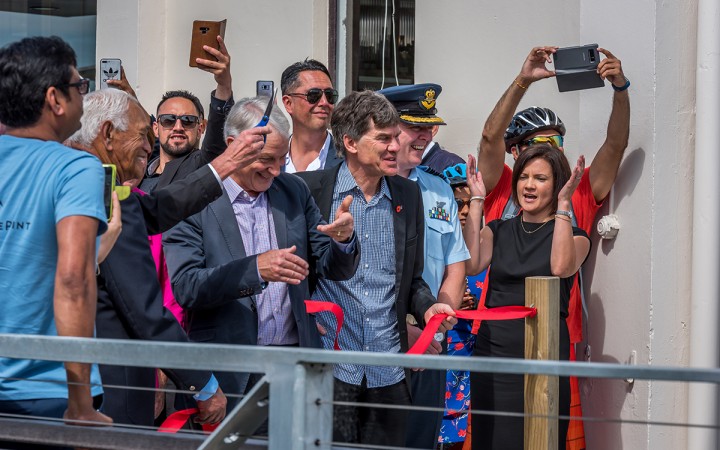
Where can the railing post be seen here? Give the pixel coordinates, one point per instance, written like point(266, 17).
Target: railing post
point(542, 343)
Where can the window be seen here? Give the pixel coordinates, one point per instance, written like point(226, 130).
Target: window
point(383, 43)
point(72, 20)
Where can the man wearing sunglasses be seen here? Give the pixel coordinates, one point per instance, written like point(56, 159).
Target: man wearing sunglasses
point(444, 250)
point(309, 98)
point(51, 212)
point(180, 123)
point(541, 125)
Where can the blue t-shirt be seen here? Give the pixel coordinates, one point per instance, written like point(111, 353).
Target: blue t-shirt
point(40, 184)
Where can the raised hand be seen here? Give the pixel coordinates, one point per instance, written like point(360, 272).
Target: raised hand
point(282, 265)
point(610, 69)
point(533, 68)
point(343, 226)
point(122, 83)
point(474, 178)
point(219, 68)
point(242, 151)
point(567, 191)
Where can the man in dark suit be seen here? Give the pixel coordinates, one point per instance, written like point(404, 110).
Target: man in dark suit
point(181, 121)
point(240, 267)
point(130, 302)
point(309, 98)
point(388, 284)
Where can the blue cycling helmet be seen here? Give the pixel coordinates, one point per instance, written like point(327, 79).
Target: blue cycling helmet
point(456, 175)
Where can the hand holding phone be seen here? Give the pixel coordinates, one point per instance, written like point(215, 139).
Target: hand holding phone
point(577, 68)
point(205, 32)
point(110, 69)
point(109, 188)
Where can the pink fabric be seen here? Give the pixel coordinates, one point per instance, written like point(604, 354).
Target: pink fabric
point(161, 268)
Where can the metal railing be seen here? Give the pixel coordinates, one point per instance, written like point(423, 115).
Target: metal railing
point(298, 382)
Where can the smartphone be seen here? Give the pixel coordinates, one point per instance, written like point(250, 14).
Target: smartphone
point(109, 187)
point(576, 68)
point(110, 69)
point(205, 32)
point(264, 88)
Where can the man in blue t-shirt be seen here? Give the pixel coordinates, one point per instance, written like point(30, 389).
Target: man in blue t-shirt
point(51, 212)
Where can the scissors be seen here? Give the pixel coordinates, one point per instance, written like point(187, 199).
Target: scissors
point(266, 117)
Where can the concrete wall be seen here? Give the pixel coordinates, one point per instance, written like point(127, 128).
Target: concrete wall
point(152, 37)
point(639, 283)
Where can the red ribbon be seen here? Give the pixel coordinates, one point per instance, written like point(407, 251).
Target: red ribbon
point(314, 306)
point(499, 313)
point(428, 334)
point(178, 419)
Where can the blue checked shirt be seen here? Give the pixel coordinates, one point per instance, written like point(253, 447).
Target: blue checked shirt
point(368, 298)
point(276, 324)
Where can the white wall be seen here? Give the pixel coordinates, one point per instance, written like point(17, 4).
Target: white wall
point(152, 37)
point(639, 284)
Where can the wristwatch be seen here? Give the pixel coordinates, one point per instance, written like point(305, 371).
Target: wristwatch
point(568, 214)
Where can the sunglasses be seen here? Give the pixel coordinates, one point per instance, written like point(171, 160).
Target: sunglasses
point(169, 120)
point(315, 94)
point(461, 203)
point(82, 85)
point(555, 141)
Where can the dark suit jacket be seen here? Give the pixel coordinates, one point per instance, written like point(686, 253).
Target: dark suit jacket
point(332, 159)
point(412, 294)
point(130, 302)
point(215, 281)
point(440, 159)
point(166, 206)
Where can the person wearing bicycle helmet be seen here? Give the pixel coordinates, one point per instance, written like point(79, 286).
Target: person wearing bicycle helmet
point(537, 125)
point(444, 250)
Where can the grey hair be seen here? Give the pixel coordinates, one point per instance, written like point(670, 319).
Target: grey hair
point(248, 112)
point(105, 105)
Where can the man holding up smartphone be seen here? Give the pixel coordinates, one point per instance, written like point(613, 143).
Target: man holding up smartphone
point(180, 121)
point(535, 125)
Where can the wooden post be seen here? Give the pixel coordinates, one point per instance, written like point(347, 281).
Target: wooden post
point(542, 343)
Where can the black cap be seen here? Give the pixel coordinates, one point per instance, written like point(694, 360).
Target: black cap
point(415, 103)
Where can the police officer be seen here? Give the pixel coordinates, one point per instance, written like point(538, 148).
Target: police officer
point(445, 250)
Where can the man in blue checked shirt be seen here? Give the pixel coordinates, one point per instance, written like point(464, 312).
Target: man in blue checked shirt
point(445, 249)
point(388, 283)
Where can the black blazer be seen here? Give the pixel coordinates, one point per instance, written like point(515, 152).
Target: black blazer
point(412, 294)
point(216, 281)
point(130, 306)
point(332, 159)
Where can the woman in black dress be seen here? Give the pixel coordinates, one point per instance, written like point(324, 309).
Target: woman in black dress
point(540, 241)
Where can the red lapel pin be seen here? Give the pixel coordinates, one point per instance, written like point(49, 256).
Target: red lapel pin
point(398, 208)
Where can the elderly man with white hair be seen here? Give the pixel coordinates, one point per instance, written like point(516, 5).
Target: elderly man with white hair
point(243, 267)
point(130, 304)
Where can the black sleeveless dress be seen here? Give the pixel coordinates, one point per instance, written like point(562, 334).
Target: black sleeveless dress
point(517, 254)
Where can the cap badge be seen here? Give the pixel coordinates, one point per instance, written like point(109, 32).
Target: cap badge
point(429, 101)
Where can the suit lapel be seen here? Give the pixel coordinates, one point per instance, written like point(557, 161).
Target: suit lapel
point(225, 215)
point(399, 212)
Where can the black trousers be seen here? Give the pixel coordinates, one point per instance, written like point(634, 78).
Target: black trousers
point(370, 425)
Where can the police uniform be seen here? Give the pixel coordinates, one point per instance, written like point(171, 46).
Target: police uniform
point(444, 245)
